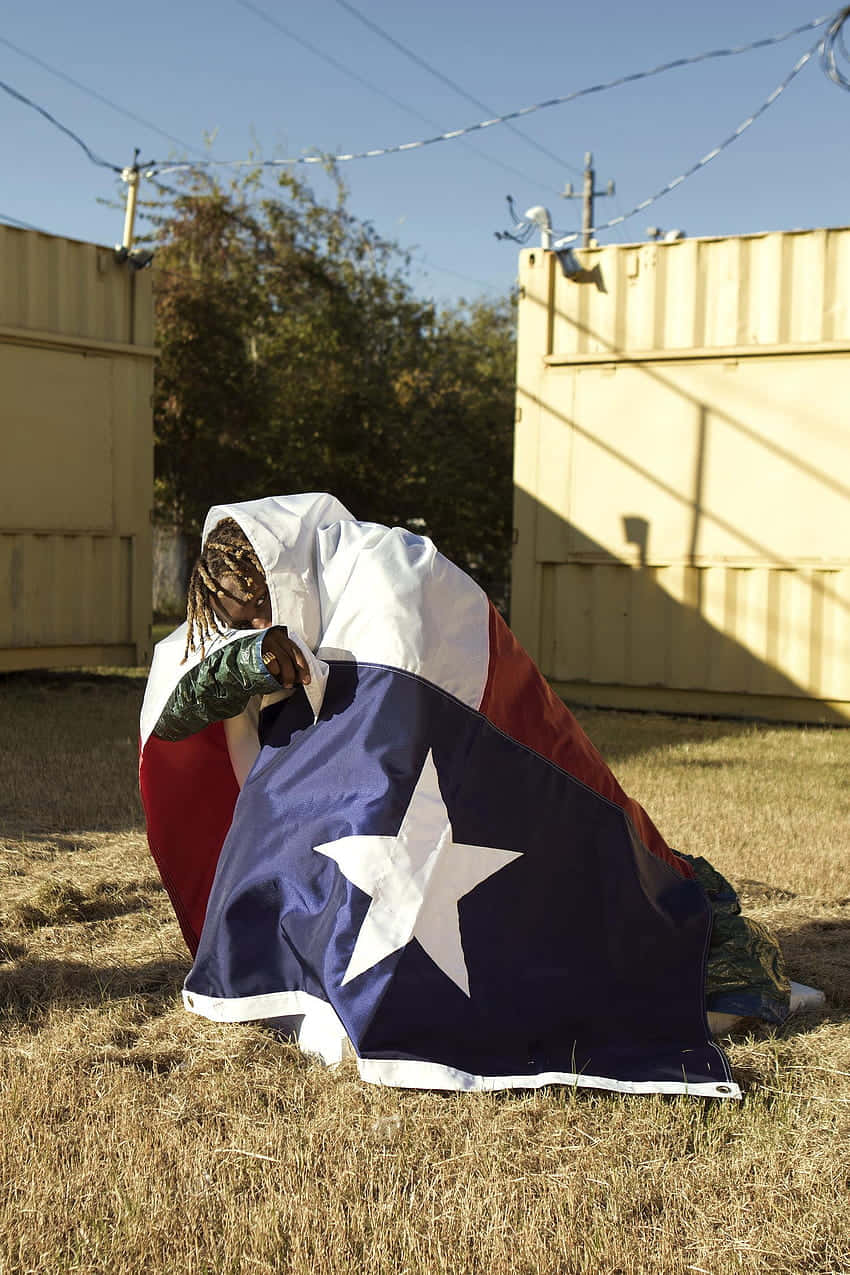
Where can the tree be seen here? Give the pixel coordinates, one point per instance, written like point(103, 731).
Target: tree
point(295, 356)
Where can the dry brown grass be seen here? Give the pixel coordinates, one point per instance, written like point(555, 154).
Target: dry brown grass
point(137, 1138)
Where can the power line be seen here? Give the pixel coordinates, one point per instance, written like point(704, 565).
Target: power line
point(634, 77)
point(95, 159)
point(99, 97)
point(524, 228)
point(360, 79)
point(444, 79)
point(834, 39)
point(326, 57)
point(456, 274)
point(21, 225)
point(712, 154)
point(826, 46)
point(423, 262)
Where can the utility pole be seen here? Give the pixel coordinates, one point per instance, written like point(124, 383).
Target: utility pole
point(138, 258)
point(587, 195)
point(130, 176)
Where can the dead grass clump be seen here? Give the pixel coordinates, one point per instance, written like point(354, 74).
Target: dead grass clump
point(61, 902)
point(31, 989)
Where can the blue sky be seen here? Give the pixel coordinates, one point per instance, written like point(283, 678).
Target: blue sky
point(216, 68)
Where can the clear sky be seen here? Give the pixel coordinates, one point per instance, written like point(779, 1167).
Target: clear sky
point(215, 67)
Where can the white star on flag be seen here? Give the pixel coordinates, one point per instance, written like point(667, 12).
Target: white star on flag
point(415, 880)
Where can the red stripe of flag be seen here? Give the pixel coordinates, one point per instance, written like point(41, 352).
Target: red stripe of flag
point(519, 701)
point(189, 793)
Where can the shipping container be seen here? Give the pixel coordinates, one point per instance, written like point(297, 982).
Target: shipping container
point(76, 454)
point(682, 474)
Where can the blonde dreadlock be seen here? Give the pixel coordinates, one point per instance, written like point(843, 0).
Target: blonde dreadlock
point(226, 551)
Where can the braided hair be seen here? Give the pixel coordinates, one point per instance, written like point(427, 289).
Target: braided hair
point(226, 551)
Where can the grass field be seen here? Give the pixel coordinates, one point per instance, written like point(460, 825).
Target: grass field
point(136, 1137)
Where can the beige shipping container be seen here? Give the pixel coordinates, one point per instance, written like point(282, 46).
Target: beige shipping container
point(682, 475)
point(76, 454)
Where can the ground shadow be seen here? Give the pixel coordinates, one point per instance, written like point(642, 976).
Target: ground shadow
point(621, 733)
point(61, 903)
point(604, 629)
point(817, 952)
point(84, 679)
point(32, 987)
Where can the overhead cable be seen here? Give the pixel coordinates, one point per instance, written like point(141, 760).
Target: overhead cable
point(524, 228)
point(95, 159)
point(423, 262)
point(429, 265)
point(20, 225)
point(708, 157)
point(275, 22)
point(321, 158)
point(99, 97)
point(511, 115)
point(444, 79)
point(834, 39)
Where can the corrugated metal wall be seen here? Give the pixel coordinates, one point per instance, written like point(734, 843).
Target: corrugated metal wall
point(76, 454)
point(682, 478)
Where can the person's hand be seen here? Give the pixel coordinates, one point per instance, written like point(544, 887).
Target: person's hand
point(283, 659)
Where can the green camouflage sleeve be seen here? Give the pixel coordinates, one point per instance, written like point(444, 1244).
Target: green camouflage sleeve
point(745, 972)
point(219, 687)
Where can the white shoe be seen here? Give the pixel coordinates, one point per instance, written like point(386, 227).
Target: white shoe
point(804, 999)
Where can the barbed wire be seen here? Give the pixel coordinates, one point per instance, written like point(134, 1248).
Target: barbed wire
point(634, 77)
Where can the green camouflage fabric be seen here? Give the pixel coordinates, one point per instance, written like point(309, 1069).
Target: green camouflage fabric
point(217, 688)
point(745, 971)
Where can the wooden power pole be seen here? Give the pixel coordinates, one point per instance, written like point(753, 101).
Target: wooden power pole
point(587, 195)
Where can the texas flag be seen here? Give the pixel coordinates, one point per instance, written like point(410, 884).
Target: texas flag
point(446, 876)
